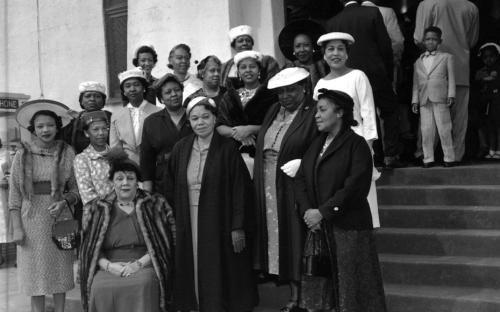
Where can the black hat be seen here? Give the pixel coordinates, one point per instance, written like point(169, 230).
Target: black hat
point(290, 31)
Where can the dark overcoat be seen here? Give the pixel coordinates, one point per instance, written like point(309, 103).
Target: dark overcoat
point(341, 179)
point(299, 135)
point(225, 278)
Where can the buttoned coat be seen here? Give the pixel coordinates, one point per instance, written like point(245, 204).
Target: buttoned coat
point(121, 132)
point(437, 84)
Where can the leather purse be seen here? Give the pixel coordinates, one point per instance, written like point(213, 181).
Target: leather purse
point(316, 259)
point(66, 232)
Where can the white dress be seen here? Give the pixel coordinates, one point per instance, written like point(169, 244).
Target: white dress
point(356, 84)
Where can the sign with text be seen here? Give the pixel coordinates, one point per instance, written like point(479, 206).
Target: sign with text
point(9, 103)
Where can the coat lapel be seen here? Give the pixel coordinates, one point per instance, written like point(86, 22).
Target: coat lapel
point(335, 145)
point(438, 59)
point(297, 121)
point(126, 127)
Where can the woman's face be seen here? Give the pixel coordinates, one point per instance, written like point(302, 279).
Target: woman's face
point(291, 96)
point(133, 90)
point(489, 57)
point(98, 132)
point(335, 54)
point(146, 62)
point(171, 94)
point(243, 43)
point(202, 121)
point(211, 74)
point(248, 71)
point(92, 101)
point(327, 115)
point(303, 48)
point(125, 184)
point(180, 61)
point(45, 128)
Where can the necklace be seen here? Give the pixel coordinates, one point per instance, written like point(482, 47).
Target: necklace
point(328, 141)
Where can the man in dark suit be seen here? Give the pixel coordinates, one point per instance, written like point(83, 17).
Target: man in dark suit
point(372, 53)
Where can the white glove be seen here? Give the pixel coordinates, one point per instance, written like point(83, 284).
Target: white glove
point(291, 167)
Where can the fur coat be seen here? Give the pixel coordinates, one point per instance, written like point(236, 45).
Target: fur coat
point(156, 221)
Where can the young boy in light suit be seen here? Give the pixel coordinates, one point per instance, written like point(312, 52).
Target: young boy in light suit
point(433, 95)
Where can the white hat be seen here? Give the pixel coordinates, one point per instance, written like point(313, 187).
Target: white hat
point(336, 36)
point(196, 101)
point(241, 30)
point(26, 111)
point(131, 73)
point(247, 54)
point(287, 77)
point(489, 44)
point(92, 86)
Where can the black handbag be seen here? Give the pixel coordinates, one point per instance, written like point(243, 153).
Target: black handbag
point(316, 260)
point(66, 232)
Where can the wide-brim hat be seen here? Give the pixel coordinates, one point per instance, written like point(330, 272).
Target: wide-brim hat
point(489, 44)
point(287, 76)
point(336, 36)
point(26, 111)
point(290, 31)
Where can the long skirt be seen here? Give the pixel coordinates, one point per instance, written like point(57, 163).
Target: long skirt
point(358, 279)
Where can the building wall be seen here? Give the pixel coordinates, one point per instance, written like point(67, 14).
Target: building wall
point(203, 25)
point(72, 47)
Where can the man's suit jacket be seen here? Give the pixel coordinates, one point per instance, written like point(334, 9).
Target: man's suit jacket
point(372, 51)
point(436, 85)
point(121, 132)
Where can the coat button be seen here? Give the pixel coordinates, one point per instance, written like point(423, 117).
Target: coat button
point(336, 209)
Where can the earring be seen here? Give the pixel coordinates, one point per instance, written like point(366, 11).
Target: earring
point(258, 77)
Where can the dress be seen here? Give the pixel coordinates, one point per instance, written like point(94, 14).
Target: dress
point(124, 242)
point(92, 174)
point(43, 269)
point(355, 83)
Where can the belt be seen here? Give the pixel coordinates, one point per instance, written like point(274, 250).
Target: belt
point(42, 188)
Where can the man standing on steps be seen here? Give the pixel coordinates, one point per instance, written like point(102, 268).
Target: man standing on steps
point(372, 53)
point(459, 21)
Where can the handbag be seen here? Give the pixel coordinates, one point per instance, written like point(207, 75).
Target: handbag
point(316, 259)
point(66, 232)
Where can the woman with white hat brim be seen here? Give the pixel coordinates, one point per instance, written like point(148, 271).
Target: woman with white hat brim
point(285, 135)
point(355, 83)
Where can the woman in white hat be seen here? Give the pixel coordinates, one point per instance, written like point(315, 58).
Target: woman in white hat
point(242, 111)
point(355, 83)
point(92, 98)
point(179, 61)
point(241, 39)
point(42, 188)
point(126, 122)
point(211, 190)
point(284, 137)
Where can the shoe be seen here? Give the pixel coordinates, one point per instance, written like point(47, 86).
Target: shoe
point(428, 165)
point(448, 164)
point(496, 156)
point(490, 155)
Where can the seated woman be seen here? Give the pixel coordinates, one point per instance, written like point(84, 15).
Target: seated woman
point(241, 40)
point(331, 187)
point(179, 61)
point(209, 73)
point(146, 58)
point(211, 191)
point(126, 253)
point(92, 98)
point(91, 168)
point(297, 42)
point(161, 131)
point(242, 111)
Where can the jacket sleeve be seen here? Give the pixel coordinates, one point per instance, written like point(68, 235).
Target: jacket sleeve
point(414, 98)
point(114, 138)
point(356, 185)
point(148, 153)
point(473, 31)
point(300, 188)
point(421, 22)
point(15, 194)
point(384, 44)
point(367, 108)
point(395, 34)
point(242, 190)
point(451, 76)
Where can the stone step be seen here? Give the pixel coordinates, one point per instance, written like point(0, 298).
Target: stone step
point(481, 195)
point(439, 242)
point(442, 216)
point(441, 271)
point(481, 174)
point(418, 298)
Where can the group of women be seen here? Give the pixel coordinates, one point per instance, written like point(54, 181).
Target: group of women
point(246, 172)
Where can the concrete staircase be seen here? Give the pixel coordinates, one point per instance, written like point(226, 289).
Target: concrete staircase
point(439, 247)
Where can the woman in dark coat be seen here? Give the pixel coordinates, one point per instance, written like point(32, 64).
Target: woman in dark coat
point(212, 205)
point(331, 187)
point(161, 131)
point(285, 135)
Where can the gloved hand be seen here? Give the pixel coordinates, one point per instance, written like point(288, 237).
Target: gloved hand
point(291, 167)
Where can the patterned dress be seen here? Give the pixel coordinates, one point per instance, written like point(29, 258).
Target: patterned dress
point(43, 269)
point(92, 174)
